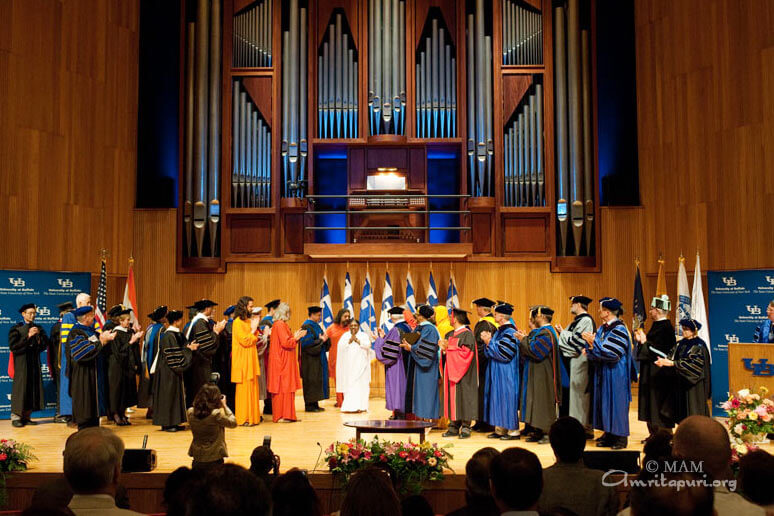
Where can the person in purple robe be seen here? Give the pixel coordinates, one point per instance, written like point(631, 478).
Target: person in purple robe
point(389, 353)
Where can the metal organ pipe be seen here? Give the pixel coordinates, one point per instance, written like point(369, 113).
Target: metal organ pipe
point(252, 36)
point(523, 151)
point(560, 80)
point(200, 123)
point(588, 176)
point(471, 104)
point(436, 84)
point(302, 83)
point(337, 87)
point(213, 191)
point(575, 122)
point(522, 34)
point(386, 77)
point(251, 153)
point(294, 119)
point(189, 136)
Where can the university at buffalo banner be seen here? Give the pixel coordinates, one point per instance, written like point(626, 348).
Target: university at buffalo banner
point(737, 305)
point(47, 290)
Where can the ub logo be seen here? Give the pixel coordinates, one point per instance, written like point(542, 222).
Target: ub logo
point(44, 311)
point(729, 281)
point(762, 368)
point(732, 339)
point(770, 280)
point(17, 282)
point(754, 309)
point(64, 283)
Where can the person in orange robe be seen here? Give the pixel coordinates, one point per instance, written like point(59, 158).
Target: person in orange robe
point(245, 368)
point(284, 378)
point(334, 332)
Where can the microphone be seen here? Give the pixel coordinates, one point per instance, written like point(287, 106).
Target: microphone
point(145, 441)
point(317, 462)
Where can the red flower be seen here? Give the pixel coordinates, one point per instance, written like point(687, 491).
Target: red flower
point(438, 453)
point(3, 456)
point(332, 462)
point(403, 454)
point(383, 457)
point(735, 403)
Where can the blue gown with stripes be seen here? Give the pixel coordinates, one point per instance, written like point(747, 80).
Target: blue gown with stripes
point(501, 390)
point(612, 357)
point(424, 355)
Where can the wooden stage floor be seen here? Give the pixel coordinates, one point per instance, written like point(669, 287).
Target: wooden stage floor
point(295, 443)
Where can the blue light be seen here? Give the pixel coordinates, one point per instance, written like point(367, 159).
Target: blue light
point(436, 154)
point(332, 154)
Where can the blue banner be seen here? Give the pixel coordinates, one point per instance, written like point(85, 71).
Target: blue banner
point(46, 290)
point(737, 305)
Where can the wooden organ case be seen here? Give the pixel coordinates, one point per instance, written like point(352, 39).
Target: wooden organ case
point(503, 89)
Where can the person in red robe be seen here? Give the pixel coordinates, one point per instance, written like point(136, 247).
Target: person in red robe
point(460, 376)
point(284, 377)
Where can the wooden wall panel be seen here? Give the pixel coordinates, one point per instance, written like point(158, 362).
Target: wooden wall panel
point(68, 125)
point(705, 76)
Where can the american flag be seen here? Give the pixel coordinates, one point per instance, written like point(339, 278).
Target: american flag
point(101, 307)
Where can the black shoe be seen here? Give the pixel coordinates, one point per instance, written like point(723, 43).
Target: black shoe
point(543, 440)
point(494, 435)
point(465, 433)
point(170, 429)
point(318, 409)
point(61, 419)
point(605, 443)
point(620, 443)
point(535, 437)
point(483, 428)
point(507, 437)
point(590, 436)
point(450, 433)
point(18, 423)
point(30, 422)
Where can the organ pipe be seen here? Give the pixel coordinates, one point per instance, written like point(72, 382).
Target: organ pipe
point(200, 123)
point(587, 152)
point(386, 76)
point(213, 190)
point(522, 32)
point(337, 88)
point(479, 48)
point(294, 117)
point(560, 113)
point(251, 153)
point(189, 135)
point(252, 36)
point(523, 152)
point(436, 83)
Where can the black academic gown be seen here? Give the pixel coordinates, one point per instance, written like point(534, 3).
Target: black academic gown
point(54, 350)
point(221, 363)
point(122, 371)
point(692, 383)
point(27, 390)
point(169, 401)
point(481, 326)
point(656, 386)
point(84, 351)
point(312, 375)
point(201, 362)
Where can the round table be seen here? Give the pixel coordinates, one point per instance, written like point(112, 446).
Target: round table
point(389, 426)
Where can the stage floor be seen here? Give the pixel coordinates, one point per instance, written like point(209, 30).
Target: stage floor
point(295, 443)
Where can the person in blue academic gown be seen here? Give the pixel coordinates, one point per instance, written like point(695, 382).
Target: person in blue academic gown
point(424, 401)
point(765, 332)
point(611, 351)
point(150, 346)
point(312, 351)
point(501, 390)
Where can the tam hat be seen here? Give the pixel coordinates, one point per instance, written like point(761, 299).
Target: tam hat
point(661, 302)
point(273, 304)
point(610, 303)
point(690, 324)
point(158, 314)
point(82, 310)
point(504, 308)
point(230, 310)
point(581, 299)
point(174, 315)
point(484, 302)
point(27, 306)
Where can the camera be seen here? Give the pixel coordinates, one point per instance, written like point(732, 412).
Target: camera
point(214, 378)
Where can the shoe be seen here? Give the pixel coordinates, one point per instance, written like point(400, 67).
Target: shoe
point(535, 437)
point(122, 423)
point(494, 435)
point(318, 409)
point(620, 444)
point(61, 419)
point(543, 440)
point(604, 444)
point(18, 423)
point(170, 429)
point(30, 422)
point(450, 433)
point(482, 428)
point(465, 433)
point(590, 436)
point(507, 437)
point(601, 437)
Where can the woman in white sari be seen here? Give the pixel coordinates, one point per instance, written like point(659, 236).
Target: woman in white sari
point(353, 368)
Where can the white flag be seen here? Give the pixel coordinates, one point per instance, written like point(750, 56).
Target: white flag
point(698, 310)
point(683, 305)
point(411, 302)
point(348, 302)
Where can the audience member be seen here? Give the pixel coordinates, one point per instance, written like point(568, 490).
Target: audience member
point(569, 483)
point(658, 446)
point(265, 465)
point(92, 467)
point(34, 510)
point(478, 495)
point(293, 495)
point(701, 439)
point(415, 505)
point(209, 417)
point(177, 490)
point(516, 481)
point(756, 478)
point(229, 490)
point(664, 498)
point(364, 488)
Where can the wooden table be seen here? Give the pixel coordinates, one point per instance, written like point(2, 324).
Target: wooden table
point(389, 426)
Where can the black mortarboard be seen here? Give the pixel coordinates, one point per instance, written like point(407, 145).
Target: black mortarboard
point(82, 310)
point(396, 310)
point(504, 308)
point(460, 315)
point(610, 303)
point(661, 302)
point(174, 315)
point(158, 314)
point(426, 311)
point(203, 304)
point(27, 307)
point(271, 305)
point(65, 307)
point(483, 301)
point(313, 310)
point(581, 299)
point(691, 324)
point(230, 310)
point(115, 311)
point(540, 310)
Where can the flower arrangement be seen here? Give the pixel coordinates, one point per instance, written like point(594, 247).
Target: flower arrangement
point(14, 456)
point(409, 463)
point(750, 415)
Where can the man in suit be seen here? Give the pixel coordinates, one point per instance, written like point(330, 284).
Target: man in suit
point(92, 467)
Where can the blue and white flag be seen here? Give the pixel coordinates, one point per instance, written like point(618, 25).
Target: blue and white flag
point(385, 322)
point(411, 302)
point(348, 303)
point(432, 292)
point(367, 312)
point(325, 304)
point(698, 309)
point(452, 296)
point(683, 305)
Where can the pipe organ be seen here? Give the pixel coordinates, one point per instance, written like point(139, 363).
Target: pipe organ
point(493, 100)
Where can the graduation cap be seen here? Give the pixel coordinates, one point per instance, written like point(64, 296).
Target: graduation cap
point(460, 315)
point(27, 306)
point(504, 308)
point(174, 315)
point(65, 307)
point(396, 310)
point(313, 310)
point(273, 304)
point(484, 302)
point(426, 311)
point(82, 310)
point(203, 304)
point(690, 324)
point(230, 310)
point(115, 311)
point(610, 303)
point(661, 302)
point(257, 310)
point(158, 314)
point(581, 299)
point(540, 310)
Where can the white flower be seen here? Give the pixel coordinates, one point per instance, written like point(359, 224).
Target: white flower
point(738, 429)
point(741, 449)
point(743, 393)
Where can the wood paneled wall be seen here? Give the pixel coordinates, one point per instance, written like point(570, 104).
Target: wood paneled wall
point(68, 132)
point(705, 107)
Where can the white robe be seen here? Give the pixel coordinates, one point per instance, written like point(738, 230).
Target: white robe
point(353, 370)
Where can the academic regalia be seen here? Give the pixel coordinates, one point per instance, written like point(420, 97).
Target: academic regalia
point(86, 373)
point(263, 359)
point(284, 379)
point(501, 387)
point(169, 393)
point(65, 401)
point(655, 397)
point(27, 389)
point(611, 354)
point(200, 369)
point(460, 378)
point(245, 371)
point(314, 363)
point(354, 370)
point(222, 362)
point(571, 344)
point(388, 352)
point(121, 369)
point(150, 347)
point(764, 333)
point(541, 378)
point(486, 323)
point(422, 399)
point(53, 356)
point(693, 386)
